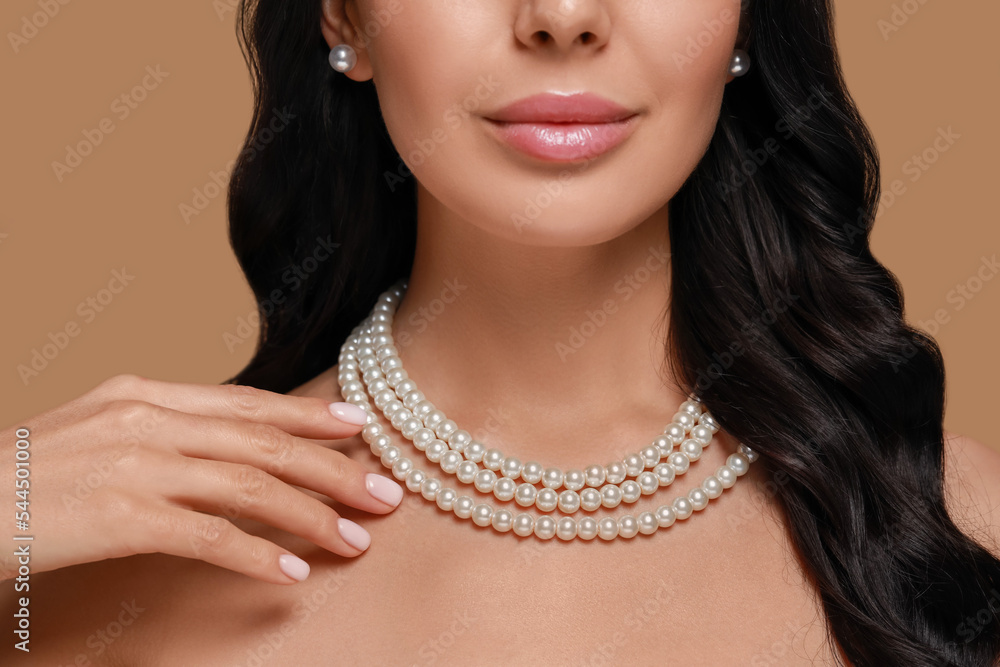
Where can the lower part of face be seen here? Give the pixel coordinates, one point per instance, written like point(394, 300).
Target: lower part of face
point(443, 69)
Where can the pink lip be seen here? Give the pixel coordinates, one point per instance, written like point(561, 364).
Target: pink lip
point(563, 128)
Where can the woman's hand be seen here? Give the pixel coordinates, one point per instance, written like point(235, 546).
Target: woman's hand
point(141, 466)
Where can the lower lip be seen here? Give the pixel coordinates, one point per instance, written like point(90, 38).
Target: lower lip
point(564, 142)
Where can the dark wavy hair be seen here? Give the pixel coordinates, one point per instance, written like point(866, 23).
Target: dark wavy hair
point(807, 357)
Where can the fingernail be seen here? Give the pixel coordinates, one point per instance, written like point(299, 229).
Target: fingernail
point(293, 566)
point(354, 534)
point(382, 488)
point(349, 413)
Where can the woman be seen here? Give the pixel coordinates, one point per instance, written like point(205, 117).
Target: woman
point(573, 218)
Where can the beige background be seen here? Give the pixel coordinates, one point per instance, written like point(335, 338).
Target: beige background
point(61, 241)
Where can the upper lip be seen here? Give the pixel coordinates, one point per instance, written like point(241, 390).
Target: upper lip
point(562, 108)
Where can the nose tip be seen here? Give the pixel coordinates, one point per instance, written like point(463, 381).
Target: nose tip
point(564, 24)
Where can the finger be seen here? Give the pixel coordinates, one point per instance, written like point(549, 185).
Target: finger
point(238, 490)
point(304, 416)
point(295, 460)
point(213, 539)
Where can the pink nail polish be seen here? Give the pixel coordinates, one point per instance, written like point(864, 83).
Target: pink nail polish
point(293, 566)
point(354, 534)
point(348, 413)
point(382, 488)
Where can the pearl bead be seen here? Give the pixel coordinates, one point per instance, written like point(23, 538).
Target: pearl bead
point(706, 419)
point(392, 408)
point(749, 453)
point(484, 481)
point(410, 427)
point(474, 451)
point(611, 496)
point(502, 520)
point(429, 488)
point(450, 461)
point(401, 417)
point(458, 440)
point(422, 438)
point(648, 483)
point(663, 446)
point(615, 472)
point(463, 507)
point(682, 507)
point(445, 429)
point(370, 432)
point(511, 467)
point(634, 465)
point(525, 495)
point(414, 479)
point(352, 386)
point(405, 388)
point(631, 491)
point(545, 527)
point(675, 432)
point(356, 398)
point(552, 478)
point(665, 516)
point(712, 487)
point(504, 489)
point(532, 472)
point(569, 501)
point(685, 419)
point(590, 499)
point(423, 409)
point(395, 376)
point(665, 474)
point(446, 499)
point(650, 456)
point(434, 418)
point(692, 448)
point(382, 398)
point(726, 475)
point(702, 434)
point(690, 407)
point(436, 450)
point(595, 475)
point(566, 528)
point(679, 462)
point(647, 523)
point(401, 467)
point(739, 463)
point(607, 528)
point(546, 500)
point(628, 526)
point(482, 515)
point(412, 399)
point(380, 444)
point(466, 472)
point(493, 459)
point(574, 480)
point(524, 525)
point(698, 498)
point(391, 363)
point(586, 528)
point(389, 455)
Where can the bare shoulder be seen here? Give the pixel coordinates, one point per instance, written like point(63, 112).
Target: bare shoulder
point(972, 488)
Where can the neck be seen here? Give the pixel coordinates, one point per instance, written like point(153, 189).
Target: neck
point(550, 354)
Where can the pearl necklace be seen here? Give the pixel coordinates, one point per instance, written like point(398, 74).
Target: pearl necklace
point(369, 351)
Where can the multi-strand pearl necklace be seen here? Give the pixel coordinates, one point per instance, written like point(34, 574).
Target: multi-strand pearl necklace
point(370, 367)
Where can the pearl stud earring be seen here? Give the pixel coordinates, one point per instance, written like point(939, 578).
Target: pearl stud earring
point(343, 58)
point(740, 63)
